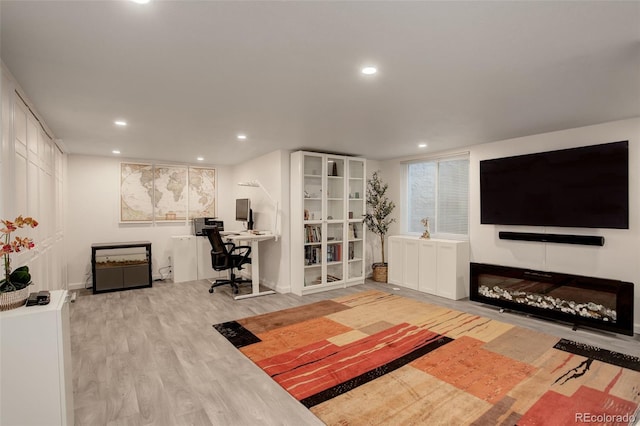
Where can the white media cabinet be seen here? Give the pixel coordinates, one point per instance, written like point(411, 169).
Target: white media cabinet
point(36, 385)
point(439, 267)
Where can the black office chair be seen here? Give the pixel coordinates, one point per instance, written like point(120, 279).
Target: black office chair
point(227, 257)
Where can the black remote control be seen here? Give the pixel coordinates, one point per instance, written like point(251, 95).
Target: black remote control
point(33, 299)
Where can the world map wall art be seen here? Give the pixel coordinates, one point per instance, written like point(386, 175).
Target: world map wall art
point(160, 193)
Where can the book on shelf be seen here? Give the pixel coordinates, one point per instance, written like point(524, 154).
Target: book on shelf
point(312, 256)
point(313, 234)
point(353, 231)
point(334, 253)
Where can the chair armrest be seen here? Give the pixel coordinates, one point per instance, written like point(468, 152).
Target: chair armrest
point(246, 254)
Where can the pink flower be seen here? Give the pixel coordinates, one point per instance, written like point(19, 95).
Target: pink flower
point(18, 243)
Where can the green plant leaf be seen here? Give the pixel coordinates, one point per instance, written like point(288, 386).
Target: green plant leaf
point(20, 276)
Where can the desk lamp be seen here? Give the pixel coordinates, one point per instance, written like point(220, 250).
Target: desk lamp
point(257, 184)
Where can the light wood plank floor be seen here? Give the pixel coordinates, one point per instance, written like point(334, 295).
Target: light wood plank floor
point(152, 357)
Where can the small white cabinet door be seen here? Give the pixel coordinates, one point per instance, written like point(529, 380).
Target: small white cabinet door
point(410, 263)
point(428, 266)
point(453, 269)
point(396, 263)
point(184, 258)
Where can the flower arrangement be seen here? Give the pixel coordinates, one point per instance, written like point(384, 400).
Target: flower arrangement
point(20, 278)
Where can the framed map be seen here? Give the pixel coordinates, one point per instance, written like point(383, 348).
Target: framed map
point(202, 192)
point(170, 193)
point(136, 192)
point(164, 193)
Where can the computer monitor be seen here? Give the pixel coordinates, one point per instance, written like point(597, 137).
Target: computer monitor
point(243, 212)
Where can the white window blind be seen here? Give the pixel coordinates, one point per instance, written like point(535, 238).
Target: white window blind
point(439, 190)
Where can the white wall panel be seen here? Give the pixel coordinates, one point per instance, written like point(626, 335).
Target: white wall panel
point(20, 187)
point(33, 197)
point(20, 126)
point(32, 185)
point(32, 134)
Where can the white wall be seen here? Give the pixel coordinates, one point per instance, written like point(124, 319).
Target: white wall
point(272, 171)
point(94, 203)
point(94, 213)
point(618, 259)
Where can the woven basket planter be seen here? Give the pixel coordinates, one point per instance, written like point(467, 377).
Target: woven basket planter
point(13, 299)
point(380, 273)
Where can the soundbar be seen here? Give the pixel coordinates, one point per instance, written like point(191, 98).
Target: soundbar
point(586, 240)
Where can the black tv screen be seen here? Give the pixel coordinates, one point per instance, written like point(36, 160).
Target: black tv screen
point(586, 187)
point(243, 208)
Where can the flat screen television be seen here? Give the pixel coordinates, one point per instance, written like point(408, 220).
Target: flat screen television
point(585, 187)
point(243, 211)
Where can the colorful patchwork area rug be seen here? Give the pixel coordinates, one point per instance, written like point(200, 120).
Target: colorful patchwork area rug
point(377, 358)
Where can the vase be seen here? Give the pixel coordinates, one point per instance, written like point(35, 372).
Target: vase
point(13, 299)
point(426, 234)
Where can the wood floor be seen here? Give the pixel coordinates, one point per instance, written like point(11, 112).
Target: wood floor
point(152, 357)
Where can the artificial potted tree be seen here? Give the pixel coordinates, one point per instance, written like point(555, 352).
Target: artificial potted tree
point(377, 219)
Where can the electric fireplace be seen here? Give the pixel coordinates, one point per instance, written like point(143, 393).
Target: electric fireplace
point(593, 302)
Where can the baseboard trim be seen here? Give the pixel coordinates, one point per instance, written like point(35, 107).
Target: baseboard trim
point(75, 286)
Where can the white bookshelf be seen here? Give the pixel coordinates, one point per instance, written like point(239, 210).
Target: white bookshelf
point(327, 210)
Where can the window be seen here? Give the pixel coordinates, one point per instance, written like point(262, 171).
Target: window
point(439, 190)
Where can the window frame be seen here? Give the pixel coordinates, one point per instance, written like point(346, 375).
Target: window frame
point(404, 195)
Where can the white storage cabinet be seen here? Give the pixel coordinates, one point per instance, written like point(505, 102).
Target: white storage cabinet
point(434, 266)
point(35, 360)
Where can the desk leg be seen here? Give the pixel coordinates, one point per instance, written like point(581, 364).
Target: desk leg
point(255, 274)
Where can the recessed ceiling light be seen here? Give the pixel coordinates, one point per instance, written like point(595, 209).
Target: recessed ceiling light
point(141, 1)
point(116, 151)
point(200, 158)
point(242, 137)
point(422, 145)
point(120, 123)
point(369, 70)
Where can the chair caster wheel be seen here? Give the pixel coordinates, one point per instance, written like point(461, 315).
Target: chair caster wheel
point(210, 290)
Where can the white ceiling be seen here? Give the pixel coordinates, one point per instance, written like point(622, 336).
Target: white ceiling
point(189, 75)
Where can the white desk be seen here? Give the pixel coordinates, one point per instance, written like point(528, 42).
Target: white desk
point(245, 237)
